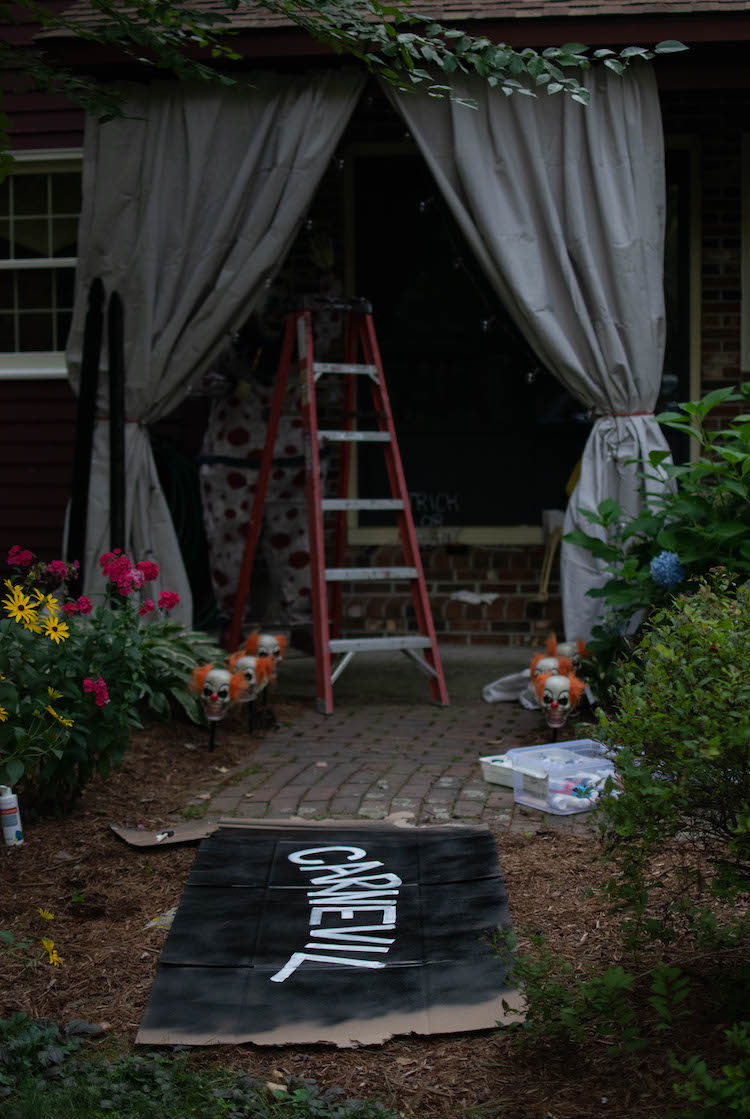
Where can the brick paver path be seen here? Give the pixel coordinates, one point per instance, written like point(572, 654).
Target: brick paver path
point(376, 759)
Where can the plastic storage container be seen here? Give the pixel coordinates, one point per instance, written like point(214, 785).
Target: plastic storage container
point(497, 769)
point(561, 778)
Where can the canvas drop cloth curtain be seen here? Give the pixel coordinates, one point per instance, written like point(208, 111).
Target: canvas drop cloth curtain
point(190, 203)
point(563, 205)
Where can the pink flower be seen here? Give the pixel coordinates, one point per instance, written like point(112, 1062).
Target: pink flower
point(168, 600)
point(147, 608)
point(150, 570)
point(58, 568)
point(99, 688)
point(19, 557)
point(84, 605)
point(70, 608)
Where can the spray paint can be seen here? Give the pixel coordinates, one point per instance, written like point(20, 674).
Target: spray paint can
point(10, 816)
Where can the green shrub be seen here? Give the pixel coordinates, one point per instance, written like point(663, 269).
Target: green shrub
point(681, 730)
point(73, 678)
point(716, 1097)
point(702, 522)
point(43, 1075)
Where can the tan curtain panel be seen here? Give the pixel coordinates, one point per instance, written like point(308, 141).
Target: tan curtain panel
point(191, 201)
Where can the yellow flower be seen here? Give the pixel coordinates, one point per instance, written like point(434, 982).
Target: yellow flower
point(54, 959)
point(47, 600)
point(48, 916)
point(3, 715)
point(20, 610)
point(53, 693)
point(17, 592)
point(32, 622)
point(55, 629)
point(47, 944)
point(60, 719)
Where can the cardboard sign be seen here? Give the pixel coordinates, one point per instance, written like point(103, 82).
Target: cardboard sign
point(343, 934)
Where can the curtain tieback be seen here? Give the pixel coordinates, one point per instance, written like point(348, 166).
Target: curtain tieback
point(106, 416)
point(622, 415)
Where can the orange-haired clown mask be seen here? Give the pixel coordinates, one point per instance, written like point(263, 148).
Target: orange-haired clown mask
point(268, 645)
point(255, 672)
point(575, 650)
point(558, 695)
point(540, 665)
point(219, 689)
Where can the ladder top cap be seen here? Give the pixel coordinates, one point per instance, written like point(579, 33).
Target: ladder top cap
point(330, 303)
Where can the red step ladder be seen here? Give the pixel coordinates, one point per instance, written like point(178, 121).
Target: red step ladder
point(327, 582)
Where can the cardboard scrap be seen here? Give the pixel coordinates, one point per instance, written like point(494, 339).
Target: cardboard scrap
point(345, 932)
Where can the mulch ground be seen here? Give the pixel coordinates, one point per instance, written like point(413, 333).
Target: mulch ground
point(103, 893)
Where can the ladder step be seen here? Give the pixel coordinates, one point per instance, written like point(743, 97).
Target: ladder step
point(356, 436)
point(362, 644)
point(329, 504)
point(337, 367)
point(355, 574)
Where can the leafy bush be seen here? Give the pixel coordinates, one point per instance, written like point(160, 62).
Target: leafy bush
point(47, 1078)
point(682, 734)
point(568, 1009)
point(703, 521)
point(67, 704)
point(716, 1097)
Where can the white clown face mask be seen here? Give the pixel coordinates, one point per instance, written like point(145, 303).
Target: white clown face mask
point(547, 664)
point(556, 700)
point(569, 649)
point(268, 646)
point(215, 695)
point(249, 669)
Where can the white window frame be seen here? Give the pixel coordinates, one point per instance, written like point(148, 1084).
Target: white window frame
point(39, 365)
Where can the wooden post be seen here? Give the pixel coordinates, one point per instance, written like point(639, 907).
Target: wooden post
point(85, 418)
point(116, 423)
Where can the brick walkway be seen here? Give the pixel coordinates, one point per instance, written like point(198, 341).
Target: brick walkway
point(370, 759)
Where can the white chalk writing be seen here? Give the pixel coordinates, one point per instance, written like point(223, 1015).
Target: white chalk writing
point(346, 891)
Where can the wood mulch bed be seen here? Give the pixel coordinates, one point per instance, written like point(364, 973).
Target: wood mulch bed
point(102, 894)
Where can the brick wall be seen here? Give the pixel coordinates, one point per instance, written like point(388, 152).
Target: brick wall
point(509, 573)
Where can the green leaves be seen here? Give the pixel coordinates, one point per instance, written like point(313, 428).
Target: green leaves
point(164, 35)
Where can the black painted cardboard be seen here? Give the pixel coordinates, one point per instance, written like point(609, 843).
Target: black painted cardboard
point(231, 969)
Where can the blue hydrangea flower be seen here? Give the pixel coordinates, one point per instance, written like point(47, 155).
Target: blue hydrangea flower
point(666, 570)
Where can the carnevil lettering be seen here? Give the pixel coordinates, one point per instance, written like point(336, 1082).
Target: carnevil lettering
point(347, 889)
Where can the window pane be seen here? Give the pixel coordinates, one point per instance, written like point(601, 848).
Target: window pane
point(35, 291)
point(4, 239)
point(30, 194)
point(31, 238)
point(63, 327)
point(4, 196)
point(64, 286)
point(64, 233)
point(6, 290)
point(6, 333)
point(66, 193)
point(35, 332)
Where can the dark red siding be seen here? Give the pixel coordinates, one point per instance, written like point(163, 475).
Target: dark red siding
point(37, 421)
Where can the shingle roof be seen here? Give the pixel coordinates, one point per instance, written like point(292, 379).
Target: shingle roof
point(248, 16)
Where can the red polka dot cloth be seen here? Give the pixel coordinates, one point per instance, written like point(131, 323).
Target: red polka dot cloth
point(229, 467)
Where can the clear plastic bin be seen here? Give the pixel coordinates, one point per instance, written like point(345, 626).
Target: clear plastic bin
point(560, 777)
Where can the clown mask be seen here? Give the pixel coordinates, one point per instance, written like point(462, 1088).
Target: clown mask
point(256, 672)
point(558, 695)
point(557, 664)
point(217, 688)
